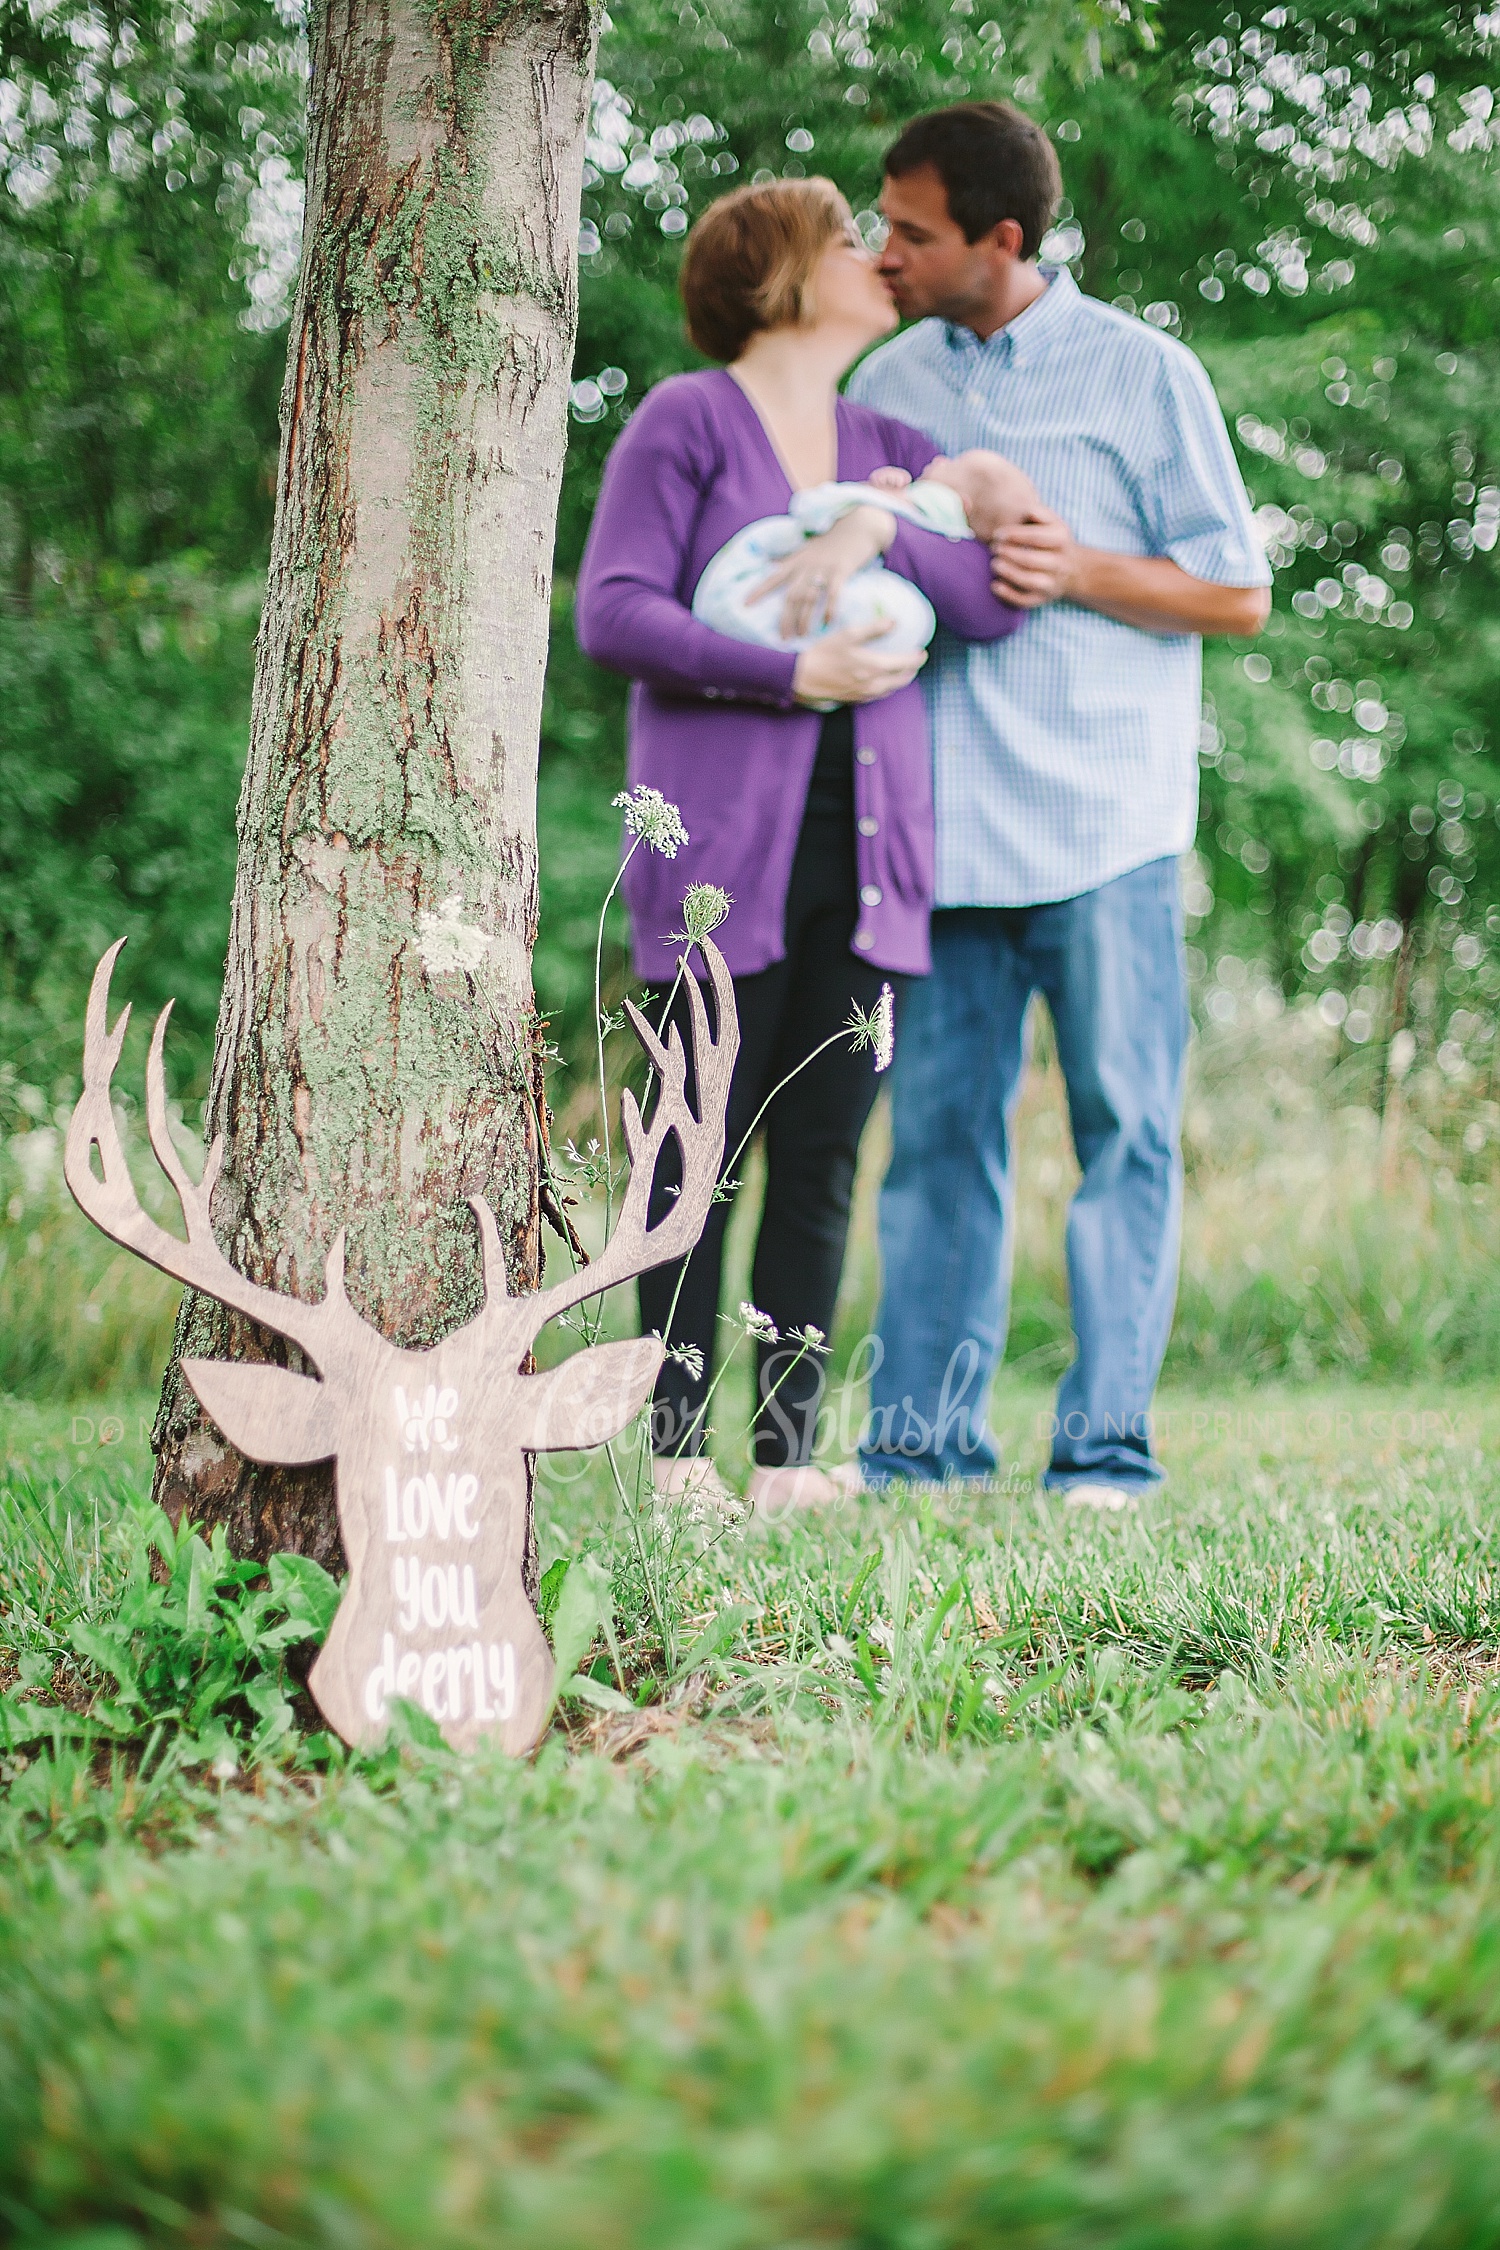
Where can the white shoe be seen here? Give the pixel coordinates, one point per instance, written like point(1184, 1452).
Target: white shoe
point(688, 1476)
point(1107, 1498)
point(777, 1493)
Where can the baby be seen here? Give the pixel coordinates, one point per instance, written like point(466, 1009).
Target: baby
point(991, 491)
point(970, 497)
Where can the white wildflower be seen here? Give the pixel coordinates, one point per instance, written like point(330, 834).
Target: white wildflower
point(810, 1338)
point(446, 942)
point(649, 816)
point(688, 1356)
point(35, 1155)
point(877, 1029)
point(704, 907)
point(885, 1029)
point(757, 1323)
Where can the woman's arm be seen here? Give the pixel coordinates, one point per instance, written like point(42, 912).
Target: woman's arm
point(959, 584)
point(954, 574)
point(626, 606)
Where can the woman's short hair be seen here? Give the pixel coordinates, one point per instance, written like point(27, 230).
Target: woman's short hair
point(750, 257)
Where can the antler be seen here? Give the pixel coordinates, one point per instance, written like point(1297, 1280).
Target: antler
point(634, 1247)
point(115, 1208)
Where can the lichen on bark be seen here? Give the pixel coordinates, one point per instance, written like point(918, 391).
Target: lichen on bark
point(364, 1076)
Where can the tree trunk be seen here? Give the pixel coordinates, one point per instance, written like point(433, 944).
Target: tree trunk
point(376, 1059)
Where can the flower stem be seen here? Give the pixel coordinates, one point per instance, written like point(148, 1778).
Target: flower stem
point(609, 1175)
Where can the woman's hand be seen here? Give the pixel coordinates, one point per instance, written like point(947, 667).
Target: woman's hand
point(848, 667)
point(811, 579)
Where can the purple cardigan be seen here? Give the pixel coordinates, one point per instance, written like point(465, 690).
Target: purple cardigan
point(712, 722)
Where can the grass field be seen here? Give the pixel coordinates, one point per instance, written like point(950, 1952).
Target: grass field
point(1001, 1875)
point(944, 1871)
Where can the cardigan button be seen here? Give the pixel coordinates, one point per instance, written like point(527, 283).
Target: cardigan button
point(868, 826)
point(871, 895)
point(864, 939)
point(866, 756)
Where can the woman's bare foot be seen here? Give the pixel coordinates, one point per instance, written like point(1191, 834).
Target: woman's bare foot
point(688, 1476)
point(776, 1493)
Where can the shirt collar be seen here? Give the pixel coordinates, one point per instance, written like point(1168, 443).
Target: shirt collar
point(1033, 331)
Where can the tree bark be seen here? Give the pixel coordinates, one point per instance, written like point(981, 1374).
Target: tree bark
point(376, 1060)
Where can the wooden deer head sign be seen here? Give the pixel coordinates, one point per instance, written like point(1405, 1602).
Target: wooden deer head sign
point(427, 1446)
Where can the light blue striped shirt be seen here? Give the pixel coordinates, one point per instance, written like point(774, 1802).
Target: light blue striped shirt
point(1067, 755)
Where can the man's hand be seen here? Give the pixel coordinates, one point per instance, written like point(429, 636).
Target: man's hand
point(813, 576)
point(846, 668)
point(1035, 563)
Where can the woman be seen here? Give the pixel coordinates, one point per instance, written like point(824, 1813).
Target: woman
point(818, 826)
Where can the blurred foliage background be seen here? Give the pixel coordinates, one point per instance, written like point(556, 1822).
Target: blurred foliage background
point(1308, 196)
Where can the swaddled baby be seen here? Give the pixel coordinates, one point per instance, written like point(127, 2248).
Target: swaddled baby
point(969, 497)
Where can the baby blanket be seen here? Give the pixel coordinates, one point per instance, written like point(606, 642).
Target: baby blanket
point(872, 596)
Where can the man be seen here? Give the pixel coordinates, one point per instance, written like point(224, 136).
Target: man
point(1066, 781)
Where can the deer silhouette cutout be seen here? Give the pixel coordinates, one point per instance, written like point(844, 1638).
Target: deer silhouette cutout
point(428, 1446)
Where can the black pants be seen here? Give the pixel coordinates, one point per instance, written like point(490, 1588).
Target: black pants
point(812, 1132)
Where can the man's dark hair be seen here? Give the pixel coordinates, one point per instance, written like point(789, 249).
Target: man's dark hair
point(994, 162)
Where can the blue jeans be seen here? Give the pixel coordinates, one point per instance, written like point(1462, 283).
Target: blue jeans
point(1110, 966)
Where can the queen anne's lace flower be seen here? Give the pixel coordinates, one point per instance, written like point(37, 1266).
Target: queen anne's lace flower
point(445, 942)
point(704, 907)
point(758, 1323)
point(649, 816)
point(877, 1030)
point(885, 1029)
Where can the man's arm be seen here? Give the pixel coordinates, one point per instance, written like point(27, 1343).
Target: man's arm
point(1040, 562)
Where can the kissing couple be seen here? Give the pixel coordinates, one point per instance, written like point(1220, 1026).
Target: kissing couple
point(918, 659)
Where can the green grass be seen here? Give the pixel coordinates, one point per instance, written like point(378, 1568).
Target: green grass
point(944, 1871)
point(1008, 1876)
